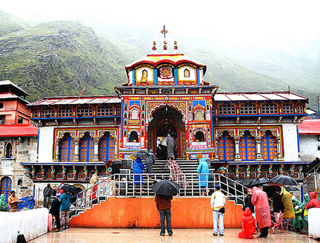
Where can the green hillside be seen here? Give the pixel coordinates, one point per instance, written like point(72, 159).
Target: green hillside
point(9, 23)
point(59, 58)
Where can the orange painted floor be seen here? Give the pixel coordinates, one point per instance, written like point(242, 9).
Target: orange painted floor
point(89, 235)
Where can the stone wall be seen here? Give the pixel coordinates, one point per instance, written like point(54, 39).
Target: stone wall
point(24, 150)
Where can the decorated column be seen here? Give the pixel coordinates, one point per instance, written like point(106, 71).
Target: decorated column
point(76, 149)
point(258, 149)
point(237, 156)
point(96, 149)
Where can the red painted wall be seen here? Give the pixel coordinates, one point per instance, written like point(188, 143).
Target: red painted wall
point(142, 213)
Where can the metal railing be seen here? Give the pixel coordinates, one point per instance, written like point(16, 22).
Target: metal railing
point(139, 185)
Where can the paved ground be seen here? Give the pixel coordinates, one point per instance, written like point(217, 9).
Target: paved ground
point(89, 235)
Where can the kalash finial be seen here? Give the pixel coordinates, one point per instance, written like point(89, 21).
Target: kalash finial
point(164, 32)
point(175, 47)
point(154, 48)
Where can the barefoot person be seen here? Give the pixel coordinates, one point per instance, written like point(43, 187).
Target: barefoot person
point(278, 210)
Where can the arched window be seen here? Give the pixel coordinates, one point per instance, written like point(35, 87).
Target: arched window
point(134, 137)
point(268, 147)
point(186, 73)
point(9, 150)
point(134, 114)
point(247, 147)
point(225, 147)
point(300, 108)
point(106, 148)
point(198, 115)
point(66, 148)
point(199, 137)
point(86, 148)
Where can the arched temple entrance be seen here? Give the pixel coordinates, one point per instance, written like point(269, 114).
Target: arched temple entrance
point(166, 120)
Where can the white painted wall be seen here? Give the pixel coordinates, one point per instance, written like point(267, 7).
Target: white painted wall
point(46, 144)
point(290, 142)
point(309, 147)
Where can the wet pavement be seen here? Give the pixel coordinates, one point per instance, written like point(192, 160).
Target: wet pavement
point(86, 235)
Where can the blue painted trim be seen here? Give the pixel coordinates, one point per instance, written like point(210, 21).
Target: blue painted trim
point(211, 119)
point(133, 77)
point(38, 140)
point(121, 127)
point(198, 76)
point(298, 139)
point(175, 76)
point(155, 76)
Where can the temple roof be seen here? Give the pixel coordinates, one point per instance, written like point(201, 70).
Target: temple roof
point(309, 127)
point(258, 96)
point(21, 130)
point(8, 86)
point(76, 100)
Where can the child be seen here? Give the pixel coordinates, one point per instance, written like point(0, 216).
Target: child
point(248, 225)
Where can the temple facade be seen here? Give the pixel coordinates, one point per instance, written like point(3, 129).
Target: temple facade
point(243, 135)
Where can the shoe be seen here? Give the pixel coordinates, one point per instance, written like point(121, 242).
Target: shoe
point(221, 234)
point(161, 234)
point(262, 236)
point(170, 234)
point(215, 234)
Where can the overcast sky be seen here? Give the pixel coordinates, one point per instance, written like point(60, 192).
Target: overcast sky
point(233, 22)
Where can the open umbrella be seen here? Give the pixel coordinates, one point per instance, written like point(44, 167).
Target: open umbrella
point(258, 181)
point(291, 189)
point(140, 154)
point(69, 188)
point(163, 142)
point(165, 187)
point(284, 180)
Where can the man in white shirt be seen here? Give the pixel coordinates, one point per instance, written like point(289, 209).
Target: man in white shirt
point(217, 204)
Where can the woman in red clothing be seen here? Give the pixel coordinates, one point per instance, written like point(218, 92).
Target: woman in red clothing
point(314, 202)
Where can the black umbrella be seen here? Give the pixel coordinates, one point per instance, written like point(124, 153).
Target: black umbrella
point(165, 187)
point(69, 188)
point(284, 180)
point(140, 154)
point(291, 189)
point(258, 181)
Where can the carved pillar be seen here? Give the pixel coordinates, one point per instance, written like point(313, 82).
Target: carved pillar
point(74, 172)
point(76, 149)
point(64, 170)
point(57, 151)
point(53, 171)
point(33, 172)
point(43, 172)
point(258, 149)
point(237, 171)
point(248, 171)
point(85, 173)
point(96, 150)
point(216, 149)
point(237, 156)
point(270, 170)
point(278, 148)
point(259, 171)
point(281, 169)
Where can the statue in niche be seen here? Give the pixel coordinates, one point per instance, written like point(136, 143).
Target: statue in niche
point(144, 76)
point(186, 73)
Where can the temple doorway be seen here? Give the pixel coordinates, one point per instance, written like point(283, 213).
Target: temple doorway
point(166, 120)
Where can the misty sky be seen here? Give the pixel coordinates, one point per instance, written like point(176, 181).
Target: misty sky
point(236, 22)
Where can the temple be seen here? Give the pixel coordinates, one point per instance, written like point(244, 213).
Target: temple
point(243, 134)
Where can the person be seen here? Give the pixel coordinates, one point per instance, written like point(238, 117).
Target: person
point(46, 195)
point(248, 225)
point(13, 202)
point(298, 223)
point(64, 209)
point(144, 76)
point(217, 202)
point(247, 202)
point(138, 168)
point(287, 203)
point(149, 162)
point(55, 209)
point(3, 204)
point(163, 204)
point(313, 202)
point(93, 183)
point(261, 202)
point(203, 174)
point(278, 210)
point(170, 147)
point(177, 175)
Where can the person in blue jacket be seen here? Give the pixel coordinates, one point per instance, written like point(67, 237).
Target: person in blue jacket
point(203, 170)
point(65, 199)
point(138, 168)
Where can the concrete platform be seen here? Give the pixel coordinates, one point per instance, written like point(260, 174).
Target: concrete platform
point(88, 235)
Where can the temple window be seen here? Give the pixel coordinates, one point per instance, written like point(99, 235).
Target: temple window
point(86, 148)
point(198, 115)
point(134, 114)
point(105, 111)
point(269, 109)
point(65, 112)
point(134, 138)
point(227, 109)
point(186, 73)
point(9, 150)
point(66, 148)
point(199, 137)
point(47, 112)
point(84, 111)
point(299, 108)
point(248, 109)
point(20, 120)
point(35, 113)
point(287, 108)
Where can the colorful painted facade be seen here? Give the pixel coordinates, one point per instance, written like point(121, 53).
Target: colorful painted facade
point(245, 135)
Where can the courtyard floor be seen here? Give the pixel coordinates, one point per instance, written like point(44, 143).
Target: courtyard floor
point(97, 235)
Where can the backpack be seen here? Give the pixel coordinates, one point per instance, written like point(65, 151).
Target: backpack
point(149, 159)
